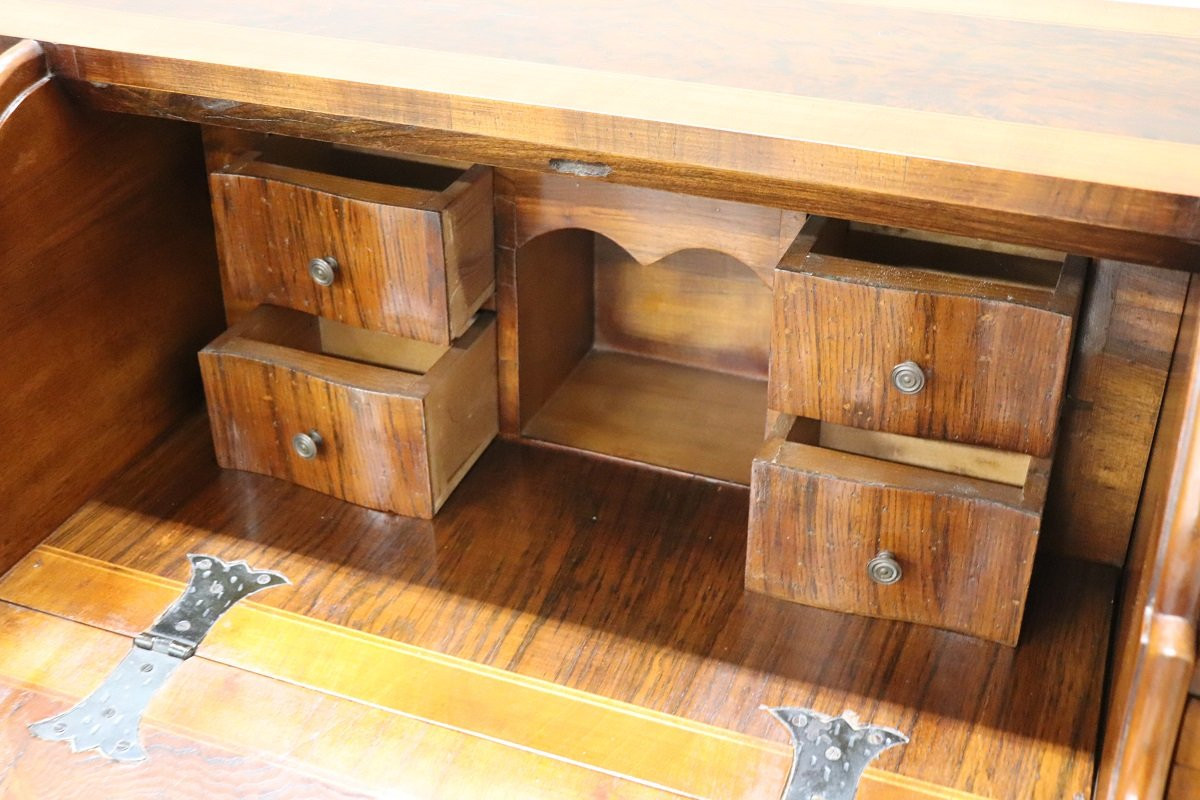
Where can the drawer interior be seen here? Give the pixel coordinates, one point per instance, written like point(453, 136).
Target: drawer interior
point(320, 336)
point(984, 463)
point(662, 363)
point(1032, 268)
point(355, 164)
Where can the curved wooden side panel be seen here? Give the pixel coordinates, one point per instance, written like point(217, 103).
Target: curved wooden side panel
point(1155, 647)
point(110, 286)
point(22, 65)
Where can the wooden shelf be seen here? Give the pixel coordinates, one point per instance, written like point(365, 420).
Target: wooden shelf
point(663, 363)
point(599, 577)
point(687, 419)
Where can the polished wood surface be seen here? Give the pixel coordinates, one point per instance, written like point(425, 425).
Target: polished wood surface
point(215, 731)
point(414, 257)
point(1155, 645)
point(819, 515)
point(1126, 334)
point(541, 338)
point(109, 286)
point(691, 420)
point(994, 352)
point(656, 355)
point(389, 439)
point(1047, 127)
point(648, 224)
point(698, 308)
point(627, 583)
point(1184, 780)
point(1188, 752)
point(356, 687)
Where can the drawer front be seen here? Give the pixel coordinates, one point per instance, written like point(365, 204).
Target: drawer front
point(384, 439)
point(965, 547)
point(420, 272)
point(993, 371)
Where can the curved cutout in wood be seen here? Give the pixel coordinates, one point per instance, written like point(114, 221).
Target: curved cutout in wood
point(649, 224)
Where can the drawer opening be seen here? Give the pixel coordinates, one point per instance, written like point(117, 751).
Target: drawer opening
point(326, 337)
point(663, 363)
point(997, 466)
point(1028, 267)
point(357, 165)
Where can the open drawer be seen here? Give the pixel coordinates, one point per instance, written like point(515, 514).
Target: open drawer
point(372, 241)
point(384, 422)
point(877, 329)
point(895, 527)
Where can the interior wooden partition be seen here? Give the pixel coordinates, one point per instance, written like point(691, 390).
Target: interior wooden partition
point(637, 322)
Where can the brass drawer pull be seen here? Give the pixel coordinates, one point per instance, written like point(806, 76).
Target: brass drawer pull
point(908, 377)
point(884, 569)
point(323, 271)
point(307, 445)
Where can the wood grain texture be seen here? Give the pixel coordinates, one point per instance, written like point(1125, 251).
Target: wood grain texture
point(22, 64)
point(553, 326)
point(1184, 780)
point(214, 731)
point(940, 133)
point(696, 421)
point(991, 218)
point(627, 583)
point(965, 545)
point(179, 766)
point(392, 440)
point(697, 308)
point(994, 355)
point(1154, 647)
point(998, 466)
point(1127, 330)
point(1184, 783)
point(1187, 751)
point(328, 669)
point(663, 363)
point(650, 224)
point(411, 261)
point(110, 284)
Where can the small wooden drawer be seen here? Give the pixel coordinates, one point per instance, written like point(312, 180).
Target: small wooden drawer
point(408, 252)
point(926, 338)
point(385, 422)
point(825, 500)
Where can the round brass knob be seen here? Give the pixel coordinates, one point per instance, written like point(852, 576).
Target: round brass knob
point(323, 271)
point(307, 445)
point(884, 569)
point(908, 378)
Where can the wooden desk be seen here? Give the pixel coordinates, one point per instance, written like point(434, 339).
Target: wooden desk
point(1072, 126)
